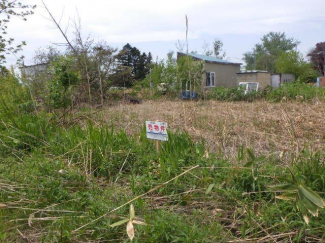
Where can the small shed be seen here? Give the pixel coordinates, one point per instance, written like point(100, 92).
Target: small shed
point(33, 70)
point(277, 79)
point(217, 72)
point(263, 78)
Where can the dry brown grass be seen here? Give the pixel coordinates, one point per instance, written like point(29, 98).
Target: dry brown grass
point(264, 126)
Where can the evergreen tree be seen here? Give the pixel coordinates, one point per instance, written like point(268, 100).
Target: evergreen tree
point(133, 63)
point(141, 67)
point(125, 56)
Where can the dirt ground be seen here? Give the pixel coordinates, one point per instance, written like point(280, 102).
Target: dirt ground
point(263, 126)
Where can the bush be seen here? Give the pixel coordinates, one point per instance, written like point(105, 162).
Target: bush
point(64, 77)
point(292, 91)
point(14, 97)
point(296, 91)
point(233, 94)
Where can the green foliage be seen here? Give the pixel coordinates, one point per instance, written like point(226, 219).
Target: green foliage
point(296, 91)
point(171, 77)
point(83, 172)
point(306, 200)
point(136, 64)
point(233, 94)
point(14, 98)
point(63, 79)
point(189, 73)
point(293, 62)
point(299, 91)
point(264, 55)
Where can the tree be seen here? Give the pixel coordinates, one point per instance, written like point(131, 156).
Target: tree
point(7, 10)
point(138, 63)
point(217, 49)
point(264, 55)
point(141, 67)
point(317, 57)
point(46, 55)
point(189, 73)
point(293, 62)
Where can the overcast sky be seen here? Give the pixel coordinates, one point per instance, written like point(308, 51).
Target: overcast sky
point(156, 26)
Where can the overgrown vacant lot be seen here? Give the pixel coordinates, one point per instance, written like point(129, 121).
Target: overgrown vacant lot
point(265, 126)
point(219, 178)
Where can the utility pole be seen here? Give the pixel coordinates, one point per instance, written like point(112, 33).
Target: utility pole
point(254, 61)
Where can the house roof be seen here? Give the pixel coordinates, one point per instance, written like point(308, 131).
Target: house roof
point(209, 58)
point(35, 65)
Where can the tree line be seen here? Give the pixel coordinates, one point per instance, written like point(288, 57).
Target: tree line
point(278, 53)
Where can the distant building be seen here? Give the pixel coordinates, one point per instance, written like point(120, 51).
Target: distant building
point(263, 78)
point(277, 79)
point(33, 70)
point(217, 72)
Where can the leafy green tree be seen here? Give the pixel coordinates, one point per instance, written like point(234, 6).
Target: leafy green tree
point(8, 9)
point(169, 74)
point(183, 74)
point(189, 73)
point(264, 54)
point(293, 62)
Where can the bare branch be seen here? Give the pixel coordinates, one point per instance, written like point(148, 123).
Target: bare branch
point(59, 27)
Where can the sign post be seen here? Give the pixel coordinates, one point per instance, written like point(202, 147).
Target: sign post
point(157, 131)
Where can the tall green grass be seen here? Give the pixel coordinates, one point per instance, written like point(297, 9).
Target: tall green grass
point(89, 170)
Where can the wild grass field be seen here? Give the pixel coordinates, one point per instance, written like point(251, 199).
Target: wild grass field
point(267, 127)
point(221, 177)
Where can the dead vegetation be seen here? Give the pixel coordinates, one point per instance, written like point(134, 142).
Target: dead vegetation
point(267, 127)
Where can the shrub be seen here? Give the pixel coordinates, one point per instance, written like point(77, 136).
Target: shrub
point(64, 77)
point(233, 94)
point(296, 90)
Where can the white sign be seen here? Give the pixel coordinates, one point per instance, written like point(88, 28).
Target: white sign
point(157, 130)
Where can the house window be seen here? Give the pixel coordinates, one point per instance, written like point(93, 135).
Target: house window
point(210, 79)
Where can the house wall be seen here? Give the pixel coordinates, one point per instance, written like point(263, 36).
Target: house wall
point(247, 77)
point(264, 80)
point(226, 74)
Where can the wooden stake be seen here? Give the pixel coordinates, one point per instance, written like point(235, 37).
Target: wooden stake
point(157, 145)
